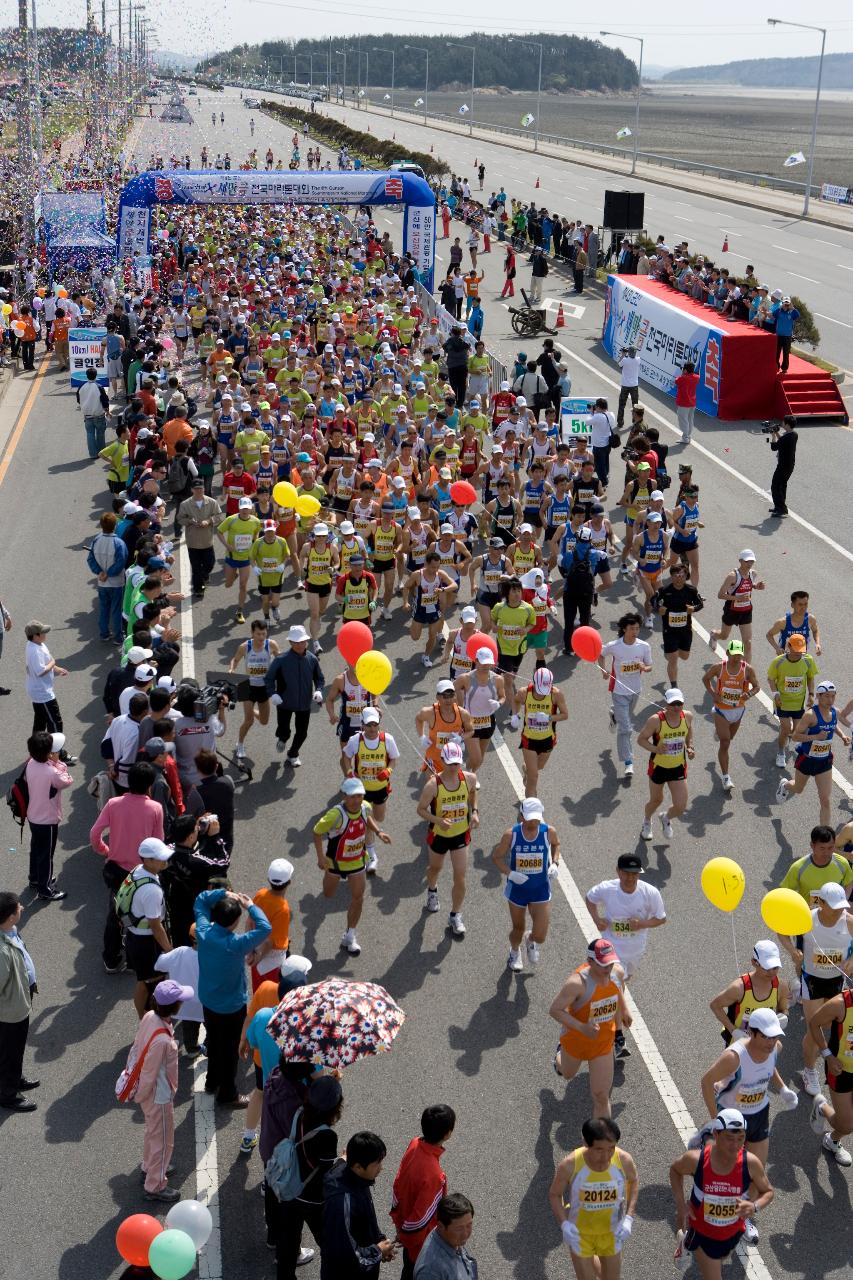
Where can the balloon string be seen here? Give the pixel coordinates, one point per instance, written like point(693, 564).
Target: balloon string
point(734, 940)
point(848, 981)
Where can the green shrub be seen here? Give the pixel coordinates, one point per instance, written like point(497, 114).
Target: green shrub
point(805, 329)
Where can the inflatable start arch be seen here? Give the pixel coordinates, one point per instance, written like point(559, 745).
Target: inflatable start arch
point(216, 186)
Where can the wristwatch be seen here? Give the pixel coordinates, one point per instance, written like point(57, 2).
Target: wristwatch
point(826, 1053)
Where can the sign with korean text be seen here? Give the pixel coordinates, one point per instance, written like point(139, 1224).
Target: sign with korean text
point(84, 352)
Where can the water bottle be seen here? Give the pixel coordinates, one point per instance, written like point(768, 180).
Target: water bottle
point(682, 1257)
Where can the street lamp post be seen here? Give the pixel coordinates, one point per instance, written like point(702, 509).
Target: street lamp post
point(473, 49)
point(342, 53)
point(379, 49)
point(804, 26)
point(423, 49)
point(640, 42)
point(534, 44)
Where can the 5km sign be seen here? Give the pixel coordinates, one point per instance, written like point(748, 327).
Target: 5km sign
point(575, 415)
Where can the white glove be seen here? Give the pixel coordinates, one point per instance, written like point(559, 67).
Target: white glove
point(517, 877)
point(739, 1033)
point(514, 721)
point(317, 697)
point(623, 1230)
point(553, 870)
point(275, 699)
point(426, 740)
point(788, 1098)
point(256, 570)
point(493, 704)
point(571, 1236)
point(783, 1020)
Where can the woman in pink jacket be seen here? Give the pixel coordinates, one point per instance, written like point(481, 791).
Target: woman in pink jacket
point(47, 777)
point(158, 1082)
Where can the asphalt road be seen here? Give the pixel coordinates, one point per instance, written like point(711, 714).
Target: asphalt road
point(476, 1036)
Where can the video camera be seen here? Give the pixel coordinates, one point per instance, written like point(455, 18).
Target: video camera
point(213, 696)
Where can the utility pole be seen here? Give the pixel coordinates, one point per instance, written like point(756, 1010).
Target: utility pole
point(25, 132)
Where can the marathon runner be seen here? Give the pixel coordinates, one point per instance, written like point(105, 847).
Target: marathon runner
point(668, 737)
point(736, 591)
point(257, 653)
point(528, 854)
point(448, 804)
point(594, 1199)
point(731, 684)
point(340, 840)
point(813, 738)
point(590, 1007)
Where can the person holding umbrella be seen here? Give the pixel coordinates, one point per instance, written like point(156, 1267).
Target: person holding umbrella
point(340, 839)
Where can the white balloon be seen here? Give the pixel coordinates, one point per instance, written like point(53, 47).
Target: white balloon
point(194, 1218)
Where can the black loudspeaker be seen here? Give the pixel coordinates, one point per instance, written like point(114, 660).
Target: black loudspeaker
point(624, 210)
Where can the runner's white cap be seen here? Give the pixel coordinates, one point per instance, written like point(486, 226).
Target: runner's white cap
point(347, 527)
point(485, 657)
point(532, 808)
point(674, 695)
point(765, 1020)
point(766, 954)
point(353, 787)
point(469, 613)
point(451, 753)
point(370, 715)
point(543, 681)
point(654, 516)
point(297, 635)
point(444, 686)
point(832, 894)
point(747, 554)
point(729, 1119)
point(280, 872)
point(825, 686)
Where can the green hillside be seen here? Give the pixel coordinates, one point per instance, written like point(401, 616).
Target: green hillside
point(568, 63)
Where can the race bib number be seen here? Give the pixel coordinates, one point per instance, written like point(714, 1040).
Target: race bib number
point(604, 1010)
point(827, 960)
point(751, 1097)
point(672, 747)
point(242, 541)
point(630, 668)
point(678, 619)
point(819, 749)
point(794, 684)
point(601, 1196)
point(720, 1210)
point(620, 926)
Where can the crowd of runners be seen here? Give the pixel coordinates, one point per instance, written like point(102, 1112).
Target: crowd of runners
point(285, 419)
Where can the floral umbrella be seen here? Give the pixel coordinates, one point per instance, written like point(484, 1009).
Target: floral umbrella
point(336, 1022)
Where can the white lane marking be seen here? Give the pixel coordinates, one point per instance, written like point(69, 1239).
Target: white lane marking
point(842, 267)
point(204, 1109)
point(831, 243)
point(834, 320)
point(668, 1090)
point(681, 218)
point(810, 279)
point(732, 471)
point(784, 248)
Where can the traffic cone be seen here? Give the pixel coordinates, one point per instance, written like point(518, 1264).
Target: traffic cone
point(725, 247)
point(561, 319)
point(537, 184)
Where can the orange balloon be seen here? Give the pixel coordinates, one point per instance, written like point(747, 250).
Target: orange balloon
point(134, 1236)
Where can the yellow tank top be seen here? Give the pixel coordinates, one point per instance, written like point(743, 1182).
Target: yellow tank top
point(346, 550)
point(523, 560)
point(844, 1052)
point(356, 599)
point(319, 567)
point(370, 761)
point(671, 743)
point(642, 498)
point(384, 541)
point(537, 716)
point(596, 1200)
point(452, 804)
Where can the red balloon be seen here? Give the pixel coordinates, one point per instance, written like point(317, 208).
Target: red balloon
point(586, 643)
point(134, 1236)
point(354, 639)
point(480, 640)
point(463, 493)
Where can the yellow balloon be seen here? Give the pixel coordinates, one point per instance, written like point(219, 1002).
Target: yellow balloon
point(785, 911)
point(373, 672)
point(285, 494)
point(306, 505)
point(723, 883)
point(7, 308)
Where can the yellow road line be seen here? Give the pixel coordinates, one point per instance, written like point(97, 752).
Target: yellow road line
point(26, 408)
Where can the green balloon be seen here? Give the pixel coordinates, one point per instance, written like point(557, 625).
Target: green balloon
point(171, 1255)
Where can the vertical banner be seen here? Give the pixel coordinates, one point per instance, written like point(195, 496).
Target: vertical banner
point(419, 241)
point(84, 352)
point(133, 231)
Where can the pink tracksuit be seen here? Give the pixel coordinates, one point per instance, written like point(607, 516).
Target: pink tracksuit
point(158, 1083)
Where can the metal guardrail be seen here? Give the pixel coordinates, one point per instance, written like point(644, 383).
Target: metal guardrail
point(497, 370)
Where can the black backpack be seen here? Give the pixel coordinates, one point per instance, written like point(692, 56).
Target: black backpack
point(580, 569)
point(176, 479)
point(18, 797)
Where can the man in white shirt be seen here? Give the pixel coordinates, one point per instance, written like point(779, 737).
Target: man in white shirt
point(41, 669)
point(623, 663)
point(601, 426)
point(629, 363)
point(123, 737)
point(145, 934)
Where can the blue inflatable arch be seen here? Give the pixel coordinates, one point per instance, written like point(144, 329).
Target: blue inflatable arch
point(237, 187)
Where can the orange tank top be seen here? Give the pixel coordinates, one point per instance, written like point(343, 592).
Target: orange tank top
point(442, 731)
point(730, 693)
point(599, 1005)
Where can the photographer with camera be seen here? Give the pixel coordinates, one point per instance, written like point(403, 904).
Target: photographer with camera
point(200, 721)
point(783, 442)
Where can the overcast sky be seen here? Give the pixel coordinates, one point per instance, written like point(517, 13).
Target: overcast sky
point(675, 33)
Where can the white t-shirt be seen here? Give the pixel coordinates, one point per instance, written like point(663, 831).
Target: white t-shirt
point(630, 366)
point(182, 965)
point(149, 901)
point(601, 424)
point(617, 907)
point(628, 660)
point(39, 682)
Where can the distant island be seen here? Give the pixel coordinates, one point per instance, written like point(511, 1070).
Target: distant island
point(569, 63)
point(771, 73)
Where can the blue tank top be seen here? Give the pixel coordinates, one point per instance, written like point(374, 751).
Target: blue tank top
point(442, 501)
point(533, 495)
point(819, 750)
point(651, 553)
point(688, 519)
point(789, 629)
point(531, 857)
point(558, 511)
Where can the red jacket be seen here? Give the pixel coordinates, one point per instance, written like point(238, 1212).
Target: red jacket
point(419, 1185)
